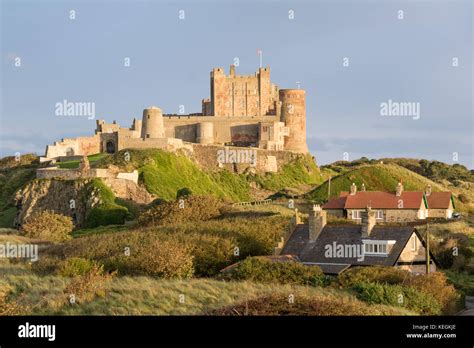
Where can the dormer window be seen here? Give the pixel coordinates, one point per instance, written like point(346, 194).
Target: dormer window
point(378, 247)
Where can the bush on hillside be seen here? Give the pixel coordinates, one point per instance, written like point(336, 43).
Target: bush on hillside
point(48, 225)
point(464, 198)
point(389, 275)
point(193, 208)
point(77, 266)
point(258, 269)
point(106, 214)
point(183, 193)
point(276, 304)
point(434, 284)
point(132, 253)
point(398, 295)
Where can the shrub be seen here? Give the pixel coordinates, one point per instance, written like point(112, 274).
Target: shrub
point(183, 193)
point(276, 304)
point(464, 198)
point(77, 266)
point(84, 288)
point(258, 269)
point(132, 253)
point(8, 306)
point(193, 208)
point(434, 284)
point(48, 225)
point(389, 275)
point(106, 214)
point(46, 265)
point(397, 295)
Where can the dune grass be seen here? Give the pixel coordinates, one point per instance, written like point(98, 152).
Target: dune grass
point(147, 296)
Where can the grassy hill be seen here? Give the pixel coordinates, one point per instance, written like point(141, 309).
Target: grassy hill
point(376, 177)
point(433, 170)
point(164, 173)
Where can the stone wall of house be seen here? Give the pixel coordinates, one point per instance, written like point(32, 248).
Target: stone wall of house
point(401, 215)
point(440, 213)
point(393, 215)
point(420, 269)
point(410, 255)
point(335, 212)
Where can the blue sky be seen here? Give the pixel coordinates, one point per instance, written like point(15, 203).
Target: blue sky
point(406, 60)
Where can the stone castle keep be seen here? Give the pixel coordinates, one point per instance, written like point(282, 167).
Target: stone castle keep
point(243, 110)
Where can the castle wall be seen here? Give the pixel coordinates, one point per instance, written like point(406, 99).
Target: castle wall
point(69, 174)
point(207, 156)
point(226, 129)
point(74, 147)
point(161, 143)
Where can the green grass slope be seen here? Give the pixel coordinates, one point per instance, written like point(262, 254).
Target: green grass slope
point(164, 173)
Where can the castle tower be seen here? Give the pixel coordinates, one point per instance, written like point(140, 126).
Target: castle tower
point(152, 123)
point(205, 133)
point(293, 113)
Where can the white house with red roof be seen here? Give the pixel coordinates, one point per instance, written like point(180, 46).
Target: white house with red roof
point(400, 206)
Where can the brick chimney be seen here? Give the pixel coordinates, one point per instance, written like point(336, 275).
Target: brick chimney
point(428, 190)
point(368, 221)
point(316, 222)
point(353, 189)
point(399, 189)
point(232, 70)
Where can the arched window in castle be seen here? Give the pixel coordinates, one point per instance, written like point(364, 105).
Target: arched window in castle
point(70, 151)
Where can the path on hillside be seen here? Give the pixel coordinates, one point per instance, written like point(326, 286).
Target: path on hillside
point(469, 306)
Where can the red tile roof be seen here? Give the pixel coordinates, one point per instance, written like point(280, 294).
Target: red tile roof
point(377, 200)
point(439, 200)
point(336, 203)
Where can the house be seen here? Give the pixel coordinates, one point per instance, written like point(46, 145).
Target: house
point(440, 204)
point(400, 206)
point(335, 248)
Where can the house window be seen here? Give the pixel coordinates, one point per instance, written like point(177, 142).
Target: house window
point(357, 214)
point(379, 215)
point(413, 243)
point(378, 247)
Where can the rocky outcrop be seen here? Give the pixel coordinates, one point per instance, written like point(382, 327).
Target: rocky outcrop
point(68, 197)
point(128, 190)
point(74, 198)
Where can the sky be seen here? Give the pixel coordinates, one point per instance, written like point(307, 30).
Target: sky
point(418, 52)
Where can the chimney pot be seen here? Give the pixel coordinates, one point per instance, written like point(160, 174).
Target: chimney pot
point(316, 222)
point(368, 221)
point(353, 189)
point(399, 189)
point(428, 190)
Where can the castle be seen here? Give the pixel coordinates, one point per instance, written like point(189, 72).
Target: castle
point(243, 110)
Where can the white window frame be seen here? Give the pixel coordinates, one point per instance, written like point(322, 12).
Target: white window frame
point(357, 214)
point(377, 247)
point(379, 215)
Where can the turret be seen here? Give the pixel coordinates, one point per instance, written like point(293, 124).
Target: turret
point(152, 123)
point(293, 113)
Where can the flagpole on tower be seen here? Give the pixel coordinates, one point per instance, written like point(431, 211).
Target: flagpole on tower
point(260, 53)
